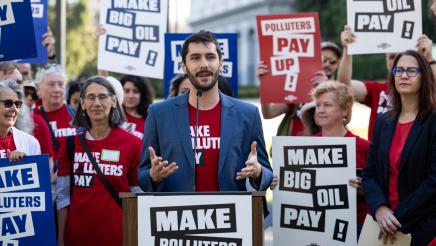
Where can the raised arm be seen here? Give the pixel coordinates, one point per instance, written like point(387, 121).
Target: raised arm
point(345, 70)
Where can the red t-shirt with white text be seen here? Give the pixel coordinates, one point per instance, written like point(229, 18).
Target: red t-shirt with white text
point(42, 133)
point(59, 121)
point(208, 146)
point(94, 218)
point(377, 98)
point(137, 123)
point(397, 144)
point(7, 143)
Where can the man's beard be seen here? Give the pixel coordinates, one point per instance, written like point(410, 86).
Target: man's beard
point(204, 87)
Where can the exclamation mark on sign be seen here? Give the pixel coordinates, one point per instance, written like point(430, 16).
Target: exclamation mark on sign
point(340, 232)
point(407, 29)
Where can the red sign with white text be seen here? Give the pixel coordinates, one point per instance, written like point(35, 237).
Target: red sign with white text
point(290, 47)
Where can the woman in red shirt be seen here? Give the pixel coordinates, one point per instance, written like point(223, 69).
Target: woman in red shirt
point(400, 178)
point(333, 104)
point(138, 95)
point(89, 211)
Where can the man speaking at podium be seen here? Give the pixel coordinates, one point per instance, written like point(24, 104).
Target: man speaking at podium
point(219, 135)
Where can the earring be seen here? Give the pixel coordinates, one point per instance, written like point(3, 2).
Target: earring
point(83, 112)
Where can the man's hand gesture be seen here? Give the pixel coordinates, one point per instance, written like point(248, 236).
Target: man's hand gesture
point(252, 167)
point(160, 170)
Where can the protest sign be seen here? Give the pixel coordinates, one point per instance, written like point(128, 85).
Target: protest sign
point(134, 39)
point(26, 211)
point(290, 47)
point(17, 36)
point(313, 203)
point(200, 219)
point(173, 58)
point(384, 26)
point(40, 24)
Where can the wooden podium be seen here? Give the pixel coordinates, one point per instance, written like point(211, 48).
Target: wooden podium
point(130, 217)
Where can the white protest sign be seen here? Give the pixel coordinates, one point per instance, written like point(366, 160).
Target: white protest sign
point(384, 26)
point(134, 39)
point(313, 203)
point(206, 219)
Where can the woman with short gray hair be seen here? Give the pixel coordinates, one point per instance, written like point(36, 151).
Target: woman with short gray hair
point(103, 159)
point(14, 143)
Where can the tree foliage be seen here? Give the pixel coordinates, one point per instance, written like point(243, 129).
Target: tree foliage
point(81, 43)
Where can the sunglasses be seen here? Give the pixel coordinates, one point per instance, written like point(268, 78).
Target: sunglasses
point(9, 103)
point(330, 60)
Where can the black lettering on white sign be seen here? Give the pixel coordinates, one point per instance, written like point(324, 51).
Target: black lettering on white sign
point(297, 179)
point(398, 6)
point(331, 197)
point(198, 219)
point(303, 218)
point(122, 46)
point(340, 231)
point(374, 22)
point(316, 156)
point(196, 240)
point(407, 31)
point(120, 18)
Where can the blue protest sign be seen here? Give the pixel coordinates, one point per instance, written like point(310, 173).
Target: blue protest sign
point(26, 211)
point(17, 36)
point(40, 23)
point(173, 58)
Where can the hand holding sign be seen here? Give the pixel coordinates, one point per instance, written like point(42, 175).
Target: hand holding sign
point(15, 155)
point(347, 36)
point(160, 169)
point(424, 46)
point(252, 167)
point(49, 42)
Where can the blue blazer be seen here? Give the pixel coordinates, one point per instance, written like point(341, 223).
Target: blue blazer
point(167, 131)
point(416, 210)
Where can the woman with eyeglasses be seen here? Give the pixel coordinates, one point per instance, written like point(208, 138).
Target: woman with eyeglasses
point(399, 180)
point(89, 212)
point(14, 143)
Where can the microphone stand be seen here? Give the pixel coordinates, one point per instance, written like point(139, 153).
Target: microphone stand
point(199, 93)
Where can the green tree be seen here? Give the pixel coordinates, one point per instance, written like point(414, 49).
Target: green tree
point(82, 43)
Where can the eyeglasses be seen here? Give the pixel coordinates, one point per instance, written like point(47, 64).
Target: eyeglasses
point(9, 103)
point(410, 71)
point(330, 60)
point(101, 97)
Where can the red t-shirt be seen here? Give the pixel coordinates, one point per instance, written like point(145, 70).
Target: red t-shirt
point(208, 146)
point(7, 143)
point(94, 218)
point(397, 144)
point(297, 123)
point(362, 148)
point(377, 99)
point(42, 133)
point(138, 123)
point(60, 124)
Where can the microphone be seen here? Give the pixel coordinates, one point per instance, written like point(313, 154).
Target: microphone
point(199, 94)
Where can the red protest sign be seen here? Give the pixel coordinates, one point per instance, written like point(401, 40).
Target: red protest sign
point(290, 47)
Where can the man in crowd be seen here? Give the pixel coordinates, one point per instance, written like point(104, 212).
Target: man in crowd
point(205, 134)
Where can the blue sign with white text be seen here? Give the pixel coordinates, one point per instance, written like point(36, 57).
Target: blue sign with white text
point(40, 23)
point(173, 58)
point(26, 211)
point(17, 36)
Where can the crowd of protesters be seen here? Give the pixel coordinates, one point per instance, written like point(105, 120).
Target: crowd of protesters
point(92, 133)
